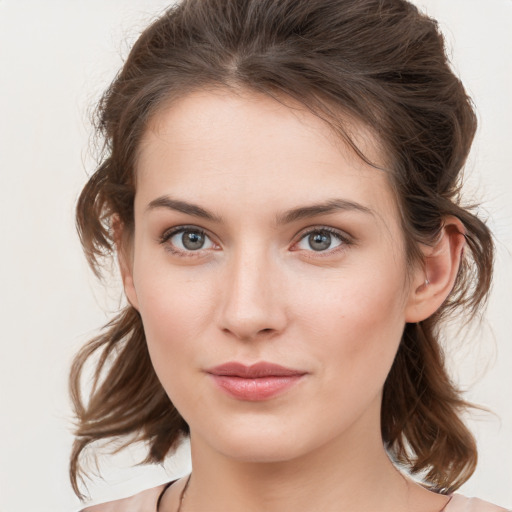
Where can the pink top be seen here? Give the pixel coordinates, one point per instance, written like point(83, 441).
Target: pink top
point(146, 501)
point(460, 503)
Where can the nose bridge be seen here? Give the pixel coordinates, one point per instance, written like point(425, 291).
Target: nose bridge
point(251, 303)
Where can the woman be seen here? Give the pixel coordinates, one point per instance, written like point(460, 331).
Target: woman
point(281, 188)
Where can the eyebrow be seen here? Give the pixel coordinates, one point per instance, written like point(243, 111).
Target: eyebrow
point(184, 207)
point(330, 206)
point(287, 217)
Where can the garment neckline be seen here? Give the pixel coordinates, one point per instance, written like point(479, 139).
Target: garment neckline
point(160, 497)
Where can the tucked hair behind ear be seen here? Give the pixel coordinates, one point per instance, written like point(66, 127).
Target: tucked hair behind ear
point(380, 62)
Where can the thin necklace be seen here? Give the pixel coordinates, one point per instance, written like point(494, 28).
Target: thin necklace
point(183, 492)
point(447, 503)
point(182, 495)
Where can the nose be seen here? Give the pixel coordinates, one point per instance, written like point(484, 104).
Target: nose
point(252, 302)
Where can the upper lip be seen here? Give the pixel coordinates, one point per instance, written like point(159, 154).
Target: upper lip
point(254, 371)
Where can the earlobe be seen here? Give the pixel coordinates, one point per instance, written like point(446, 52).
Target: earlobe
point(125, 260)
point(433, 282)
point(129, 289)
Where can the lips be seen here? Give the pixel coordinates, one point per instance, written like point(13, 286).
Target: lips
point(260, 381)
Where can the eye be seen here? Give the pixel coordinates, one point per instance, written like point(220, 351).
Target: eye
point(186, 240)
point(321, 240)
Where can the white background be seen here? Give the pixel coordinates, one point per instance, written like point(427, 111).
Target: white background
point(56, 56)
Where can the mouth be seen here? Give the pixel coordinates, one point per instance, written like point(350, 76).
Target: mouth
point(260, 381)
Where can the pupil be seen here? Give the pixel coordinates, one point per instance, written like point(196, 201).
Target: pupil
point(320, 241)
point(192, 240)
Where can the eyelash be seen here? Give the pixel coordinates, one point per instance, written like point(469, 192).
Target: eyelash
point(344, 239)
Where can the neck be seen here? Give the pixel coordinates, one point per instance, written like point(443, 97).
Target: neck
point(351, 472)
point(298, 487)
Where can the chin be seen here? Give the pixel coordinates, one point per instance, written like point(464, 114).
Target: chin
point(259, 441)
point(261, 451)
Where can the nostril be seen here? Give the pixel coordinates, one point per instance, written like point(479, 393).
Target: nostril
point(267, 331)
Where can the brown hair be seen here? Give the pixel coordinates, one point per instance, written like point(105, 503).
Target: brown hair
point(378, 61)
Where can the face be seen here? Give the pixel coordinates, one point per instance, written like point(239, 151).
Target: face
point(260, 239)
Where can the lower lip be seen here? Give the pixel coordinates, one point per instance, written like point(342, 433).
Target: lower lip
point(254, 390)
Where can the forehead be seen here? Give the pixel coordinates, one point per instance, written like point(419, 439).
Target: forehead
point(193, 116)
point(223, 145)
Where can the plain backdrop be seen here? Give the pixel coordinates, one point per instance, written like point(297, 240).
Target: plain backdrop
point(56, 57)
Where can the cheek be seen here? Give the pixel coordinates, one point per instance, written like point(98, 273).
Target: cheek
point(361, 325)
point(176, 312)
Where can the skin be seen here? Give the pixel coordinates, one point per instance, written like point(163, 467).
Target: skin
point(258, 291)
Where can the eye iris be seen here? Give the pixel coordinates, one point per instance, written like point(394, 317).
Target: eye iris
point(192, 240)
point(319, 241)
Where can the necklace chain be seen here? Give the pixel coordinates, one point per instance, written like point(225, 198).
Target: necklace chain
point(184, 491)
point(182, 494)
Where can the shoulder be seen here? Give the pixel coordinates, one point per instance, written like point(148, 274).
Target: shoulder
point(144, 501)
point(459, 503)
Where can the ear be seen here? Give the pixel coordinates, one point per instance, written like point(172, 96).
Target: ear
point(124, 251)
point(433, 282)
